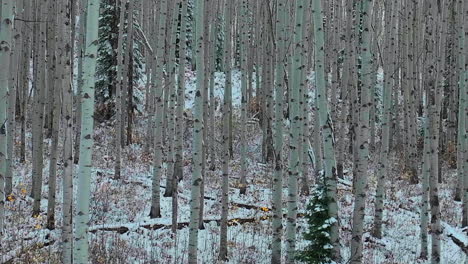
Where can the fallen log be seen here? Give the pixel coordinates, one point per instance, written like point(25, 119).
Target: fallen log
point(122, 229)
point(458, 239)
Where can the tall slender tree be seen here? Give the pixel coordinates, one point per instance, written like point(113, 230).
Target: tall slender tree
point(363, 134)
point(6, 29)
point(81, 246)
point(277, 192)
point(197, 134)
point(325, 121)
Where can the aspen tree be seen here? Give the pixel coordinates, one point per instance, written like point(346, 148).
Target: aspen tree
point(244, 83)
point(329, 162)
point(58, 54)
point(127, 96)
point(464, 82)
point(295, 130)
point(118, 94)
point(214, 24)
point(80, 250)
point(434, 96)
point(179, 137)
point(15, 57)
point(67, 124)
point(6, 30)
point(426, 171)
point(81, 49)
point(38, 116)
point(226, 114)
point(280, 61)
point(461, 146)
point(23, 81)
point(385, 141)
point(362, 137)
point(197, 134)
point(170, 180)
point(158, 120)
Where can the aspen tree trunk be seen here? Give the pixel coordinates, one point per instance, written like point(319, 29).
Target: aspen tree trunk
point(304, 105)
point(363, 136)
point(86, 142)
point(346, 85)
point(50, 58)
point(277, 192)
point(158, 120)
point(244, 84)
point(170, 181)
point(212, 56)
point(295, 130)
point(464, 89)
point(329, 175)
point(24, 91)
point(12, 95)
point(81, 49)
point(67, 124)
point(128, 74)
point(197, 134)
point(223, 249)
point(385, 140)
point(434, 98)
point(461, 147)
point(38, 117)
point(118, 94)
point(58, 54)
point(6, 30)
point(179, 138)
point(426, 171)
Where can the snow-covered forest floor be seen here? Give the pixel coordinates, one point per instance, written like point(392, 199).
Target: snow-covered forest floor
point(122, 232)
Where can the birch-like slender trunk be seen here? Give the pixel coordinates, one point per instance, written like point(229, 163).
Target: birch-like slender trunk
point(385, 140)
point(295, 131)
point(38, 116)
point(118, 94)
point(158, 120)
point(24, 82)
point(81, 246)
point(362, 137)
point(433, 95)
point(171, 86)
point(81, 50)
point(67, 124)
point(58, 54)
point(179, 137)
point(244, 84)
point(15, 56)
point(197, 134)
point(329, 162)
point(462, 100)
point(426, 171)
point(223, 249)
point(6, 25)
point(464, 76)
point(277, 191)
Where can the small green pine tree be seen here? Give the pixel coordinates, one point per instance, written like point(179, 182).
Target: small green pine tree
point(319, 250)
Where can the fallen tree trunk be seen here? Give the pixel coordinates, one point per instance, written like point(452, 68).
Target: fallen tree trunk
point(124, 228)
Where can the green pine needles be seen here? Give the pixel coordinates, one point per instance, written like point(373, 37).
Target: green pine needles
point(319, 250)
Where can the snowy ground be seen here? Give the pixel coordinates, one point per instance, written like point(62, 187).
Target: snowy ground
point(122, 232)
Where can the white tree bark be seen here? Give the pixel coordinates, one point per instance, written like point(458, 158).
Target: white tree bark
point(362, 137)
point(6, 29)
point(67, 124)
point(86, 142)
point(329, 162)
point(295, 131)
point(277, 191)
point(158, 121)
